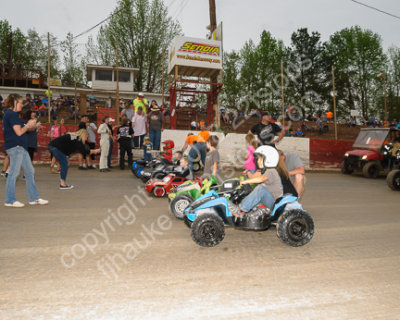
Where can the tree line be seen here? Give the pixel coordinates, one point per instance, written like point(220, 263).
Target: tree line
point(251, 76)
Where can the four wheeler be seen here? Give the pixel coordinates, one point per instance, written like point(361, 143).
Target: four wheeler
point(139, 165)
point(371, 152)
point(161, 187)
point(208, 218)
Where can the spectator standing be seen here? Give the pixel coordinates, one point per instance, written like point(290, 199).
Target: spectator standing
point(82, 157)
point(128, 111)
point(155, 126)
point(91, 140)
point(53, 133)
point(147, 147)
point(139, 127)
point(32, 135)
point(15, 145)
point(63, 130)
point(111, 141)
point(105, 133)
point(125, 135)
point(266, 131)
point(204, 133)
point(140, 101)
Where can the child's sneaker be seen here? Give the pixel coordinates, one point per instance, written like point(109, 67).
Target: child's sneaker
point(67, 187)
point(235, 210)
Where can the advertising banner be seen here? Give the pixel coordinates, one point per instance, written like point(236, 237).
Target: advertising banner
point(195, 53)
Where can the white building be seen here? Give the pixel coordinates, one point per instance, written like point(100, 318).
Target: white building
point(105, 77)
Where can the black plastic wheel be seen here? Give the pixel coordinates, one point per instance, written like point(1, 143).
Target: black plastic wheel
point(371, 170)
point(345, 168)
point(159, 191)
point(196, 166)
point(393, 180)
point(295, 228)
point(208, 230)
point(179, 204)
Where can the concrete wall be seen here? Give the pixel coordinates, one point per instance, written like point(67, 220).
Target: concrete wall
point(315, 153)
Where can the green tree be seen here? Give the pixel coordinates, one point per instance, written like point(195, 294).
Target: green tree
point(358, 57)
point(230, 94)
point(72, 71)
point(393, 83)
point(307, 71)
point(142, 28)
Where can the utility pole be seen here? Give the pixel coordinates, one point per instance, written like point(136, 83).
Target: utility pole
point(75, 101)
point(214, 78)
point(334, 101)
point(283, 95)
point(162, 78)
point(117, 85)
point(48, 75)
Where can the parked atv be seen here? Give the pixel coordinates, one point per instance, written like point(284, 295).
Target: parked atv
point(372, 153)
point(161, 187)
point(209, 215)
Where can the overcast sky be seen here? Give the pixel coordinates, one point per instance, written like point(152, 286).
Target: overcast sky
point(242, 19)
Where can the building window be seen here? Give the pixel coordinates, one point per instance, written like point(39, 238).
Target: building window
point(104, 75)
point(123, 76)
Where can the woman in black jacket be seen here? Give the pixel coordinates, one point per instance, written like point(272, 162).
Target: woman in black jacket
point(64, 146)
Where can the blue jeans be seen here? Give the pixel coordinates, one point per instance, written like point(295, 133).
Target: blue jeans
point(155, 138)
point(110, 153)
point(20, 157)
point(62, 159)
point(260, 195)
point(198, 150)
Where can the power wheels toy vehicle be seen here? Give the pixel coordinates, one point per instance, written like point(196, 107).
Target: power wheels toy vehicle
point(208, 217)
point(159, 188)
point(294, 226)
point(186, 193)
point(160, 171)
point(371, 152)
point(139, 165)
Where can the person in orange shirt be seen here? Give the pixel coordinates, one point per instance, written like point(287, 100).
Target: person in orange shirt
point(329, 116)
point(204, 132)
point(198, 149)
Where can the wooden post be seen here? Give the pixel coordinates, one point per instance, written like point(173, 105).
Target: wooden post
point(384, 89)
point(283, 95)
point(162, 78)
point(334, 102)
point(82, 99)
point(214, 79)
point(117, 85)
point(48, 76)
point(75, 102)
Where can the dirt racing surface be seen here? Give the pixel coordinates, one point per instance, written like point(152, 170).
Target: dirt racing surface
point(104, 250)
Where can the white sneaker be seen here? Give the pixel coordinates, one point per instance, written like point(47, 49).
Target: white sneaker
point(15, 204)
point(39, 201)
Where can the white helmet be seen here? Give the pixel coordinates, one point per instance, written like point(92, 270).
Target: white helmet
point(270, 154)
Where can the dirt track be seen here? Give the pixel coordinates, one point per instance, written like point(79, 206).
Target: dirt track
point(350, 269)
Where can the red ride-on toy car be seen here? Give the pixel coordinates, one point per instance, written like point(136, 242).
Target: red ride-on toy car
point(161, 187)
point(372, 152)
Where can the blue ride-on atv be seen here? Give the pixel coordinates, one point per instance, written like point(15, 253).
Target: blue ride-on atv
point(210, 214)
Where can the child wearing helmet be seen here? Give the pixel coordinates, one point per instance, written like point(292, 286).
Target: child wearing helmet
point(270, 185)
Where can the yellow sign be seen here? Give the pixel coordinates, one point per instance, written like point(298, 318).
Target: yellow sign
point(200, 48)
point(55, 82)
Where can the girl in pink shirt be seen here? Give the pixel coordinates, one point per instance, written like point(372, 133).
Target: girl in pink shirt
point(252, 144)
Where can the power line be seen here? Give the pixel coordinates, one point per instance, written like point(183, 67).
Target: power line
point(376, 9)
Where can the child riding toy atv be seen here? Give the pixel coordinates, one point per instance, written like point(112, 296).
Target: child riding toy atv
point(208, 215)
